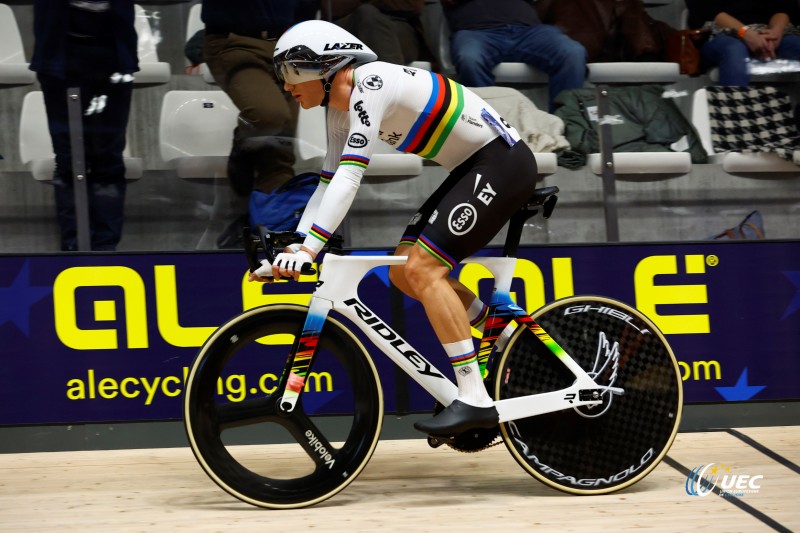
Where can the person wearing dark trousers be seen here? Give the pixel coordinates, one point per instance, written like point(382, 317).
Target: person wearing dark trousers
point(239, 40)
point(744, 29)
point(485, 33)
point(391, 28)
point(91, 45)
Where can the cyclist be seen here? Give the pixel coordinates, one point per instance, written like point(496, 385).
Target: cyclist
point(415, 111)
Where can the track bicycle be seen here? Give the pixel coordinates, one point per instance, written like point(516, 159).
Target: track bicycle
point(587, 388)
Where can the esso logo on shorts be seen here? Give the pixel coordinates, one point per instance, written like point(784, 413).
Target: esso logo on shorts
point(462, 219)
point(357, 140)
point(373, 82)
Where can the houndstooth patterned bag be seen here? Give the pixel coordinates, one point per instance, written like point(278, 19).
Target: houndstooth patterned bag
point(752, 119)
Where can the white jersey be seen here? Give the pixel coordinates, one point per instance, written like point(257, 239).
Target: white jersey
point(412, 110)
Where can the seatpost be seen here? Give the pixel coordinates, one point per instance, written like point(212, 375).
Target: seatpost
point(544, 198)
point(515, 225)
point(514, 233)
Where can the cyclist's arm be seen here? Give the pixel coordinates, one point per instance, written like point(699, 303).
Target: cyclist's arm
point(313, 203)
point(350, 159)
point(335, 146)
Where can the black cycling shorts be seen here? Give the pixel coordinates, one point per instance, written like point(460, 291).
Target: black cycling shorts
point(475, 201)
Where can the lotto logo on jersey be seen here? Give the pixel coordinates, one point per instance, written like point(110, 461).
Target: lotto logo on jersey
point(462, 219)
point(362, 113)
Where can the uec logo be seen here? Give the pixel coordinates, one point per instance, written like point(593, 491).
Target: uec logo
point(698, 484)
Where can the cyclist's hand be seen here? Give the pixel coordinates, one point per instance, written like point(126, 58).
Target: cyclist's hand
point(289, 264)
point(262, 273)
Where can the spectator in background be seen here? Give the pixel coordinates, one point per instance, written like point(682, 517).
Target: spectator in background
point(609, 30)
point(91, 46)
point(487, 32)
point(744, 29)
point(391, 28)
point(239, 41)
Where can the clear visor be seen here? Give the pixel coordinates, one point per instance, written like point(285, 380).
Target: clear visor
point(300, 64)
point(298, 71)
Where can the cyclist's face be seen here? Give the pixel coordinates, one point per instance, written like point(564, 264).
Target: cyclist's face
point(308, 93)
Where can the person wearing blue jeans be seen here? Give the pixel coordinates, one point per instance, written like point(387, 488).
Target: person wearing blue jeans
point(741, 30)
point(487, 32)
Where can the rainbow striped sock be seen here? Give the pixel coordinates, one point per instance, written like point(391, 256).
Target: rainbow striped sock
point(468, 375)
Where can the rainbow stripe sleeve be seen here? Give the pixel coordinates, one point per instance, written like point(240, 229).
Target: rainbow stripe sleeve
point(354, 160)
point(436, 252)
point(319, 233)
point(407, 241)
point(326, 176)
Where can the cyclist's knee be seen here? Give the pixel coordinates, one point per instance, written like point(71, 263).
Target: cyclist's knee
point(398, 277)
point(422, 270)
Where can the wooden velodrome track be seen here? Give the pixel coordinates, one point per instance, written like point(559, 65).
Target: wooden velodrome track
point(406, 487)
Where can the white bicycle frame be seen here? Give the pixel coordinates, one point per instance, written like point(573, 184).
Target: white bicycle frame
point(338, 289)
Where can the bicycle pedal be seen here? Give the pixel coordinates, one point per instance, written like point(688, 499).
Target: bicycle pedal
point(435, 442)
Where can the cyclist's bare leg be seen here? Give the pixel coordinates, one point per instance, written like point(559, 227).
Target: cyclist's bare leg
point(398, 277)
point(428, 278)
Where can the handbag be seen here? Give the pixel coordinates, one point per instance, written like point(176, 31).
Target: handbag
point(281, 209)
point(683, 48)
point(752, 227)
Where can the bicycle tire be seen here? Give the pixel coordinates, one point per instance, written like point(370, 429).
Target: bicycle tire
point(323, 454)
point(604, 448)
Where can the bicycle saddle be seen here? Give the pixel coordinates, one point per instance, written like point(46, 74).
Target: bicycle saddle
point(545, 198)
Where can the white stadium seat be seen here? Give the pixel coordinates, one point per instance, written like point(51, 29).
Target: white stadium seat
point(13, 67)
point(633, 72)
point(196, 132)
point(645, 163)
point(623, 73)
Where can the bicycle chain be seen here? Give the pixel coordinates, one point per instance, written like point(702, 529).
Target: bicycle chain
point(476, 450)
point(470, 444)
point(472, 441)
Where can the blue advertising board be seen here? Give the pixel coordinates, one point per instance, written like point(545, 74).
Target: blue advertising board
point(100, 338)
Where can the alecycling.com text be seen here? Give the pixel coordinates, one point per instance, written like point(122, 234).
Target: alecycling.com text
point(234, 387)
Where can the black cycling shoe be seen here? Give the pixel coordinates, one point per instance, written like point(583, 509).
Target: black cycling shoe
point(457, 418)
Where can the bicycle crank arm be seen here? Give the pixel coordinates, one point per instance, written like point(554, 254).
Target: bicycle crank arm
point(288, 401)
point(547, 402)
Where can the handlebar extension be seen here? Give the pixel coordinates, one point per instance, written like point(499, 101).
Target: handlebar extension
point(268, 241)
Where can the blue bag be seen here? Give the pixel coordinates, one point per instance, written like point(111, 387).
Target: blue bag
point(281, 209)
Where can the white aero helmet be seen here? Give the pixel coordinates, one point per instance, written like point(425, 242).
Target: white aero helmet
point(315, 50)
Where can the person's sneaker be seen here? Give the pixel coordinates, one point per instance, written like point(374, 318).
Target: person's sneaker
point(457, 418)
